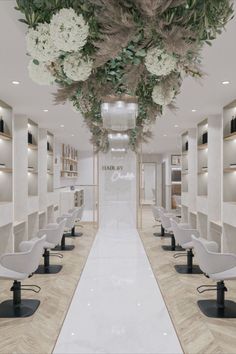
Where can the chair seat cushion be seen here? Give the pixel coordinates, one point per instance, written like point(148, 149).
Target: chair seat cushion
point(6, 273)
point(226, 275)
point(187, 245)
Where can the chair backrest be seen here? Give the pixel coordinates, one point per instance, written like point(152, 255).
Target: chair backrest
point(212, 262)
point(165, 220)
point(183, 232)
point(80, 213)
point(177, 232)
point(60, 231)
point(25, 262)
point(70, 221)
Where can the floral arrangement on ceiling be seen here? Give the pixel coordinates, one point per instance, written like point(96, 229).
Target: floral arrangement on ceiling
point(143, 48)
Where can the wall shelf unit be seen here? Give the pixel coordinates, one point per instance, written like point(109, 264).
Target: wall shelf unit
point(202, 158)
point(69, 162)
point(50, 162)
point(184, 159)
point(32, 158)
point(6, 148)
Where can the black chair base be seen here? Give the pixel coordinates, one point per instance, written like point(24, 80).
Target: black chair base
point(171, 248)
point(161, 236)
point(76, 234)
point(65, 248)
point(210, 309)
point(52, 269)
point(184, 269)
point(25, 309)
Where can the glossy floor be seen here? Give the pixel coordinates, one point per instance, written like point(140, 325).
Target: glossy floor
point(117, 306)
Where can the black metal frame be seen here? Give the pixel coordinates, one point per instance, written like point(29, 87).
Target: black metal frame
point(63, 246)
point(162, 234)
point(173, 246)
point(219, 308)
point(48, 268)
point(18, 307)
point(188, 268)
point(73, 233)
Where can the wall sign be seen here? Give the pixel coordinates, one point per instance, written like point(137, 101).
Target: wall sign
point(112, 168)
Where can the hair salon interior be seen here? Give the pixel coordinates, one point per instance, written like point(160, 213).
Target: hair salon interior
point(117, 176)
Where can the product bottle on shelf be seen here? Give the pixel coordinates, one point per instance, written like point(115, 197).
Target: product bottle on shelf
point(1, 125)
point(232, 125)
point(30, 138)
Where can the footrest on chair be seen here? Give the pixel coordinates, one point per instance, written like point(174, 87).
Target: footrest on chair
point(25, 309)
point(183, 269)
point(210, 309)
point(52, 269)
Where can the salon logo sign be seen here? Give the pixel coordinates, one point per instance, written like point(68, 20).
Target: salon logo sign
point(112, 168)
point(117, 173)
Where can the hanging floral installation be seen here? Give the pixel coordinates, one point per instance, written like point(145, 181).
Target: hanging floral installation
point(144, 48)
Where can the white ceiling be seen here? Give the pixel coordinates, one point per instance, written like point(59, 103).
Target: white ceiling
point(207, 97)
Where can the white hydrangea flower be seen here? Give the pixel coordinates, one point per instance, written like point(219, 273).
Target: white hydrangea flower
point(77, 68)
point(40, 73)
point(69, 31)
point(39, 43)
point(160, 63)
point(162, 97)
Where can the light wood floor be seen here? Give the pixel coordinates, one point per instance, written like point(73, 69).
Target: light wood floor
point(38, 334)
point(197, 333)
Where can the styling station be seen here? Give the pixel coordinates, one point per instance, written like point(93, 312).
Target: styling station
point(117, 177)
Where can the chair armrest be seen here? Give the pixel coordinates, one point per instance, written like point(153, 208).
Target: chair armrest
point(26, 246)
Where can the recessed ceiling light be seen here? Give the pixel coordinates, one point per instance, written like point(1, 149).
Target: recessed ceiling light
point(15, 82)
point(194, 110)
point(45, 110)
point(164, 134)
point(72, 134)
point(176, 126)
point(62, 125)
point(225, 82)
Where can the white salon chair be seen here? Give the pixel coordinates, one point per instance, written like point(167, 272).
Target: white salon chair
point(18, 267)
point(70, 223)
point(168, 232)
point(183, 236)
point(54, 233)
point(218, 267)
point(79, 216)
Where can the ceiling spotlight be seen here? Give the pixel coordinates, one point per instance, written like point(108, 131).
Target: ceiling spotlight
point(225, 82)
point(194, 110)
point(45, 110)
point(72, 134)
point(176, 126)
point(62, 125)
point(15, 82)
point(165, 135)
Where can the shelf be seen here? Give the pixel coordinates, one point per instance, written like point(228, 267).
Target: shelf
point(202, 172)
point(50, 173)
point(202, 147)
point(32, 171)
point(5, 136)
point(184, 153)
point(185, 173)
point(33, 147)
point(175, 182)
point(5, 169)
point(50, 153)
point(69, 159)
point(231, 136)
point(229, 169)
